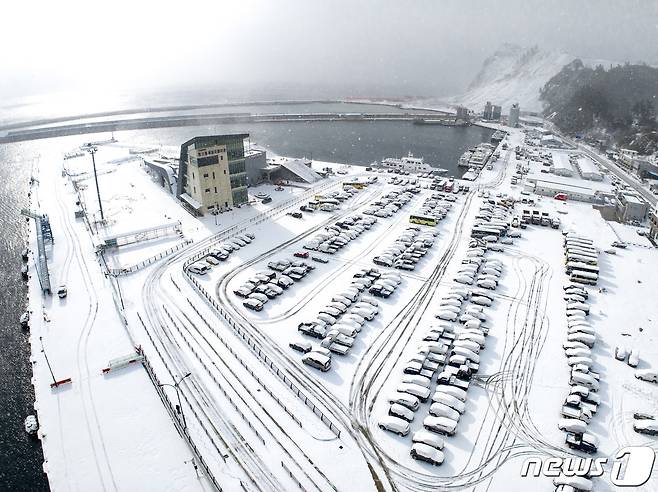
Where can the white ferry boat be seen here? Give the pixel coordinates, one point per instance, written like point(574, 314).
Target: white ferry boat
point(411, 164)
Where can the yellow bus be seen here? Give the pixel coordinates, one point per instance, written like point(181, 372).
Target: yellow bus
point(356, 184)
point(423, 220)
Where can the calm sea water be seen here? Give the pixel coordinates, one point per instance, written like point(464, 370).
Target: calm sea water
point(358, 143)
point(349, 142)
point(21, 458)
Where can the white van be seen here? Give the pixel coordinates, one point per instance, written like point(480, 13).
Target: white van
point(318, 361)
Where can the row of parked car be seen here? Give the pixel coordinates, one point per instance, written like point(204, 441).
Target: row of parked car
point(267, 284)
point(407, 249)
point(452, 351)
point(389, 204)
point(339, 322)
point(478, 270)
point(339, 234)
point(220, 253)
point(437, 205)
point(583, 400)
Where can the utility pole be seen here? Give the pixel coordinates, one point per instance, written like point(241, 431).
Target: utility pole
point(176, 387)
point(92, 150)
point(43, 350)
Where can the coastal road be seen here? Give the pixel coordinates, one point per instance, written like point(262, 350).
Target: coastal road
point(610, 166)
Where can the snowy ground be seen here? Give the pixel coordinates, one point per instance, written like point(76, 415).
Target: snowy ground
point(253, 409)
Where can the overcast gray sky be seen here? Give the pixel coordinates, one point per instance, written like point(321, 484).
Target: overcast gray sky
point(419, 47)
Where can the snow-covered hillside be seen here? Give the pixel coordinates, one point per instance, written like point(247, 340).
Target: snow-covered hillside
point(515, 74)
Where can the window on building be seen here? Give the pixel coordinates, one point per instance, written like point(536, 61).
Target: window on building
point(194, 188)
point(205, 175)
point(215, 189)
point(207, 190)
point(213, 175)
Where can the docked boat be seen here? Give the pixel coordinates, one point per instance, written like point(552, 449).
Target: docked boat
point(442, 122)
point(24, 271)
point(411, 164)
point(31, 425)
point(25, 319)
point(25, 254)
point(476, 156)
point(497, 136)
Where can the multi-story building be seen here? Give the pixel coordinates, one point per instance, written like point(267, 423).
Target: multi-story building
point(488, 111)
point(496, 112)
point(630, 207)
point(514, 113)
point(653, 223)
point(462, 113)
point(212, 173)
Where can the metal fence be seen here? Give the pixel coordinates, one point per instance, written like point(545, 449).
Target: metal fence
point(117, 272)
point(177, 421)
point(255, 348)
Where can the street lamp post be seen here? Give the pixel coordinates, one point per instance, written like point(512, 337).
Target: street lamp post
point(176, 387)
point(92, 150)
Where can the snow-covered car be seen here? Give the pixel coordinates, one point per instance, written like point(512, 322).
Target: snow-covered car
point(647, 375)
point(634, 358)
point(417, 379)
point(253, 304)
point(481, 300)
point(442, 410)
point(446, 315)
point(397, 410)
point(416, 390)
point(332, 311)
point(301, 346)
point(366, 305)
point(464, 279)
point(199, 268)
point(486, 284)
point(405, 399)
point(394, 424)
point(424, 452)
point(284, 281)
point(649, 427)
point(440, 425)
point(367, 314)
point(428, 438)
point(575, 484)
point(453, 402)
point(326, 318)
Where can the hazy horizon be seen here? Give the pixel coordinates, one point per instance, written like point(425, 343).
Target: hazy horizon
point(369, 48)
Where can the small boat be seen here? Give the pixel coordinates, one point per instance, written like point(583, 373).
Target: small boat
point(25, 254)
point(25, 319)
point(31, 425)
point(24, 270)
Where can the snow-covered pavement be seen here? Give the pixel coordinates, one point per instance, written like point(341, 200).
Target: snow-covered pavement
point(257, 416)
